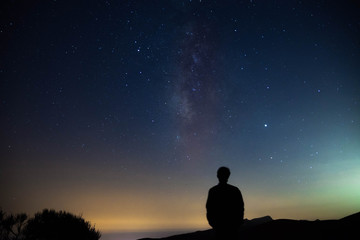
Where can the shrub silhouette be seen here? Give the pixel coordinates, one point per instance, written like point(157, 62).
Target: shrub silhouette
point(52, 225)
point(11, 226)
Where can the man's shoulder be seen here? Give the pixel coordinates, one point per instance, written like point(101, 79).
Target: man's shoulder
point(222, 187)
point(214, 188)
point(233, 187)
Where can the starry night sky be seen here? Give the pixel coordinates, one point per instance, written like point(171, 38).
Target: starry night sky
point(123, 110)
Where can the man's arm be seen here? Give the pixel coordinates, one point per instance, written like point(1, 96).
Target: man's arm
point(241, 205)
point(209, 209)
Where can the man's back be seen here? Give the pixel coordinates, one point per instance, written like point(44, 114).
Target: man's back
point(225, 207)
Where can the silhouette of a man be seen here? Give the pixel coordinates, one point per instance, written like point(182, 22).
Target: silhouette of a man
point(225, 207)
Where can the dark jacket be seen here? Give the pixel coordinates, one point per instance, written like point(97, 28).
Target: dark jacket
point(225, 206)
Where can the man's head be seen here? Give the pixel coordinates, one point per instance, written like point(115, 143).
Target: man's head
point(223, 174)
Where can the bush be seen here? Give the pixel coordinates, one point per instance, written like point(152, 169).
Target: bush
point(11, 226)
point(52, 225)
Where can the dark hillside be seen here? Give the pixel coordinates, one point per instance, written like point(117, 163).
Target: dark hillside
point(266, 228)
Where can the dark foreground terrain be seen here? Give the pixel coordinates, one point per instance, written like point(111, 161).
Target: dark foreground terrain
point(266, 228)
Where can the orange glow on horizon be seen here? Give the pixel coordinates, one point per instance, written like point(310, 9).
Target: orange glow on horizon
point(147, 224)
point(257, 206)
